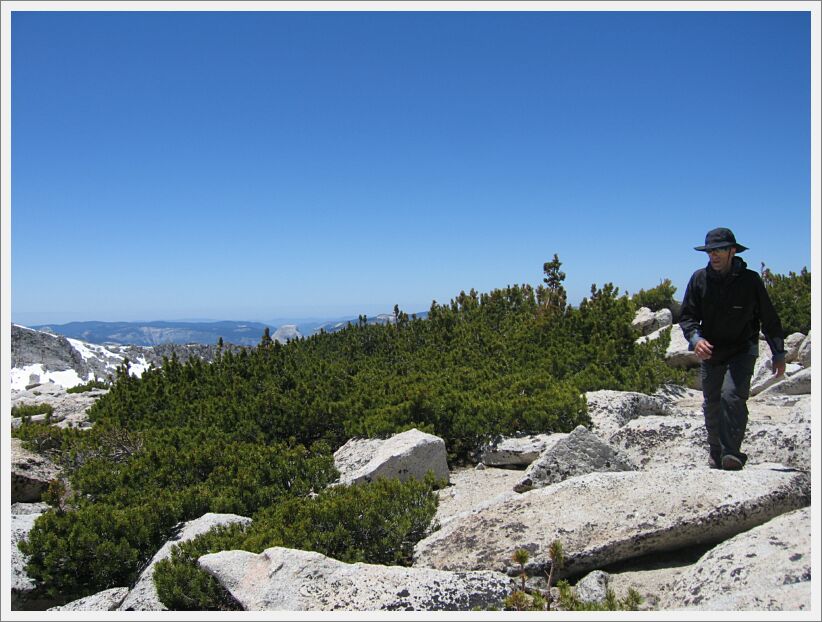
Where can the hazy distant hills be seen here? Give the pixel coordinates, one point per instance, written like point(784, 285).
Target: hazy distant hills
point(155, 333)
point(207, 333)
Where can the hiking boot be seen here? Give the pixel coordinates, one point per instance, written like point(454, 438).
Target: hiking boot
point(713, 461)
point(731, 463)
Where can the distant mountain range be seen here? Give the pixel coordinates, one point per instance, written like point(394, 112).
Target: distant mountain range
point(73, 353)
point(38, 356)
point(156, 333)
point(207, 333)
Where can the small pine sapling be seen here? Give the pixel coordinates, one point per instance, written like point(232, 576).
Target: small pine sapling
point(555, 553)
point(521, 557)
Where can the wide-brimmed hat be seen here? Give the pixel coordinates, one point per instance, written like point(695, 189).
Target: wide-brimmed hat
point(720, 238)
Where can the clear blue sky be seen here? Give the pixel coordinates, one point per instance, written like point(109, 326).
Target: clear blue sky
point(253, 166)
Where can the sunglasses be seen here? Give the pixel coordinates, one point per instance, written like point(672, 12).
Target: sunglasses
point(719, 250)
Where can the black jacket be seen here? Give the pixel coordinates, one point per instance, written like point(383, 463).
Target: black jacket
point(728, 311)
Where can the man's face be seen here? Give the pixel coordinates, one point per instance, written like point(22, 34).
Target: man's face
point(721, 258)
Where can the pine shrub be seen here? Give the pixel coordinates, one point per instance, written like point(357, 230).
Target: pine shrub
point(791, 297)
point(88, 386)
point(253, 432)
point(30, 410)
point(656, 298)
point(377, 523)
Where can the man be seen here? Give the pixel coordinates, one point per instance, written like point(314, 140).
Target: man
point(724, 306)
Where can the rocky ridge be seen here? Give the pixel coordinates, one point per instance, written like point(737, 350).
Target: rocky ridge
point(39, 357)
point(685, 536)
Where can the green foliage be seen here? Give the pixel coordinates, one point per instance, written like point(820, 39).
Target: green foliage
point(557, 556)
point(519, 600)
point(791, 297)
point(30, 410)
point(376, 523)
point(56, 494)
point(552, 296)
point(131, 489)
point(89, 386)
point(569, 601)
point(521, 557)
point(522, 601)
point(253, 432)
point(97, 546)
point(38, 436)
point(656, 298)
point(481, 366)
point(183, 586)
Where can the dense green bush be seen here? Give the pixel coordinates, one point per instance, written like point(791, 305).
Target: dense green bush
point(30, 410)
point(656, 298)
point(75, 553)
point(791, 297)
point(232, 435)
point(128, 495)
point(88, 386)
point(378, 523)
point(182, 586)
point(39, 436)
point(375, 523)
point(569, 602)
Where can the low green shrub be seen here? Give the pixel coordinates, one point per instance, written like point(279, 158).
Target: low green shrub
point(377, 523)
point(39, 437)
point(75, 553)
point(791, 297)
point(520, 600)
point(183, 586)
point(568, 600)
point(30, 410)
point(131, 488)
point(89, 386)
point(656, 298)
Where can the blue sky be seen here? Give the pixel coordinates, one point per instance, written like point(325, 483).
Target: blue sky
point(254, 166)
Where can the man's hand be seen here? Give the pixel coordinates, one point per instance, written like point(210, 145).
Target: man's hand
point(703, 350)
point(779, 368)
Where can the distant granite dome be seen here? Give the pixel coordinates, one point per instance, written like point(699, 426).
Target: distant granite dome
point(286, 333)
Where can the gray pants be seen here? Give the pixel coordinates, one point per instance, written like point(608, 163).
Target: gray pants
point(726, 388)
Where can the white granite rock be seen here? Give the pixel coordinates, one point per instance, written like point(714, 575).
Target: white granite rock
point(677, 354)
point(797, 384)
point(803, 354)
point(593, 587)
point(603, 518)
point(643, 320)
point(517, 452)
point(473, 489)
point(667, 442)
point(577, 453)
point(647, 321)
point(610, 410)
point(21, 525)
point(31, 473)
point(38, 507)
point(107, 600)
point(69, 408)
point(792, 344)
point(800, 412)
point(763, 376)
point(287, 579)
point(765, 568)
point(409, 454)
